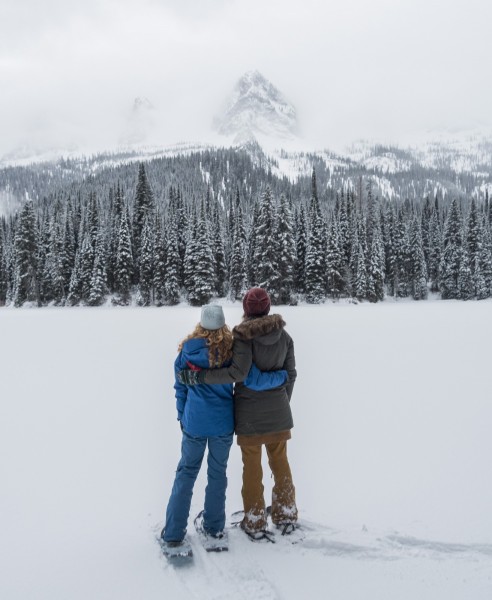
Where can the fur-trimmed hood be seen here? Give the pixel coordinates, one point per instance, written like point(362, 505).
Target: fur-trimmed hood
point(266, 330)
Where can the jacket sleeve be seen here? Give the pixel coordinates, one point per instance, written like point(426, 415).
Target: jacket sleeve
point(238, 369)
point(181, 390)
point(290, 366)
point(260, 381)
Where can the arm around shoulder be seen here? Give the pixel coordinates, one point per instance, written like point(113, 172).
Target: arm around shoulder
point(238, 369)
point(290, 366)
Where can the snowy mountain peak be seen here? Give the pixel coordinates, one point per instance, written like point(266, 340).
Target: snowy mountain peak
point(140, 122)
point(142, 104)
point(256, 108)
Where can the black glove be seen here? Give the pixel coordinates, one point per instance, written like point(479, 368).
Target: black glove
point(190, 377)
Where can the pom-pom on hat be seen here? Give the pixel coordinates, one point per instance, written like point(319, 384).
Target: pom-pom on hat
point(256, 302)
point(212, 317)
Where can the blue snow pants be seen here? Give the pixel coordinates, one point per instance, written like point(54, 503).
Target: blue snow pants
point(178, 508)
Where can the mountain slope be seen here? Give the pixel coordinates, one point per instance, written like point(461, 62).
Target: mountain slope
point(255, 109)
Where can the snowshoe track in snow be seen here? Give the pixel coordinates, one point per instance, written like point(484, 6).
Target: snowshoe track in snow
point(244, 572)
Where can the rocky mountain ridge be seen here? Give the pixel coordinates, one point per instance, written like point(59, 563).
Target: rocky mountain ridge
point(258, 120)
point(257, 109)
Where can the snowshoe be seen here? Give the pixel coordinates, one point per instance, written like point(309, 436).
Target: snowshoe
point(176, 552)
point(211, 543)
point(262, 535)
point(288, 528)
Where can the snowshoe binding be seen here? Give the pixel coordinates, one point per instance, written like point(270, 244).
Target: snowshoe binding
point(177, 552)
point(212, 543)
point(288, 528)
point(261, 535)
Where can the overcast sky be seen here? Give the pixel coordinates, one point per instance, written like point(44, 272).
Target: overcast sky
point(69, 71)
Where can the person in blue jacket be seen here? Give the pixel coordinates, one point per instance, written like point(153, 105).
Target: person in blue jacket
point(206, 416)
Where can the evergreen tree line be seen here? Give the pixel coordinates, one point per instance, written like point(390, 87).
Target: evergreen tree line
point(249, 169)
point(129, 247)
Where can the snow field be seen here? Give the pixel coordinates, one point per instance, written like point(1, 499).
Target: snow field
point(390, 455)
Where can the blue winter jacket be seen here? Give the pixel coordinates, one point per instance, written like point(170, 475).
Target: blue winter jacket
point(208, 410)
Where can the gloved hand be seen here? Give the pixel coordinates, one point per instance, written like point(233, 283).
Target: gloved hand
point(190, 377)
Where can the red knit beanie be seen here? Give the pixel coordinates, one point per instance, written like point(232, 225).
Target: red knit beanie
point(256, 302)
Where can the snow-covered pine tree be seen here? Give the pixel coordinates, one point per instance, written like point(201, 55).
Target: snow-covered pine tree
point(251, 265)
point(124, 263)
point(371, 214)
point(87, 257)
point(286, 252)
point(237, 274)
point(173, 266)
point(265, 255)
point(75, 292)
point(177, 214)
point(92, 219)
point(344, 227)
point(418, 268)
point(26, 284)
point(146, 278)
point(9, 254)
point(231, 217)
point(488, 213)
point(485, 260)
point(183, 224)
point(43, 271)
point(99, 287)
point(74, 288)
point(481, 288)
point(425, 218)
point(218, 252)
point(362, 237)
point(68, 250)
point(387, 228)
point(315, 265)
point(375, 262)
point(473, 234)
point(401, 244)
point(208, 205)
point(142, 210)
point(466, 287)
point(77, 220)
point(199, 267)
point(301, 247)
point(360, 285)
point(449, 268)
point(315, 278)
point(55, 261)
point(116, 208)
point(159, 266)
point(314, 201)
point(42, 237)
point(435, 249)
point(189, 257)
point(354, 256)
point(336, 285)
point(3, 267)
point(228, 241)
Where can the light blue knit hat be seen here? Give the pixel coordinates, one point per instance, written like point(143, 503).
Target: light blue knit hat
point(212, 317)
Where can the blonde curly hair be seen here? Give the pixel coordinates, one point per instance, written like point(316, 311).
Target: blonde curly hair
point(219, 342)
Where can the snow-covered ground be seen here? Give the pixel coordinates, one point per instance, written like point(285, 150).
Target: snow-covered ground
point(390, 454)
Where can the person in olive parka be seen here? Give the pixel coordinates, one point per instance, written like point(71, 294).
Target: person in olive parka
point(262, 418)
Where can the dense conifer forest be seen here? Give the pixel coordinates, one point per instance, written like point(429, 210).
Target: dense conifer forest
point(213, 223)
